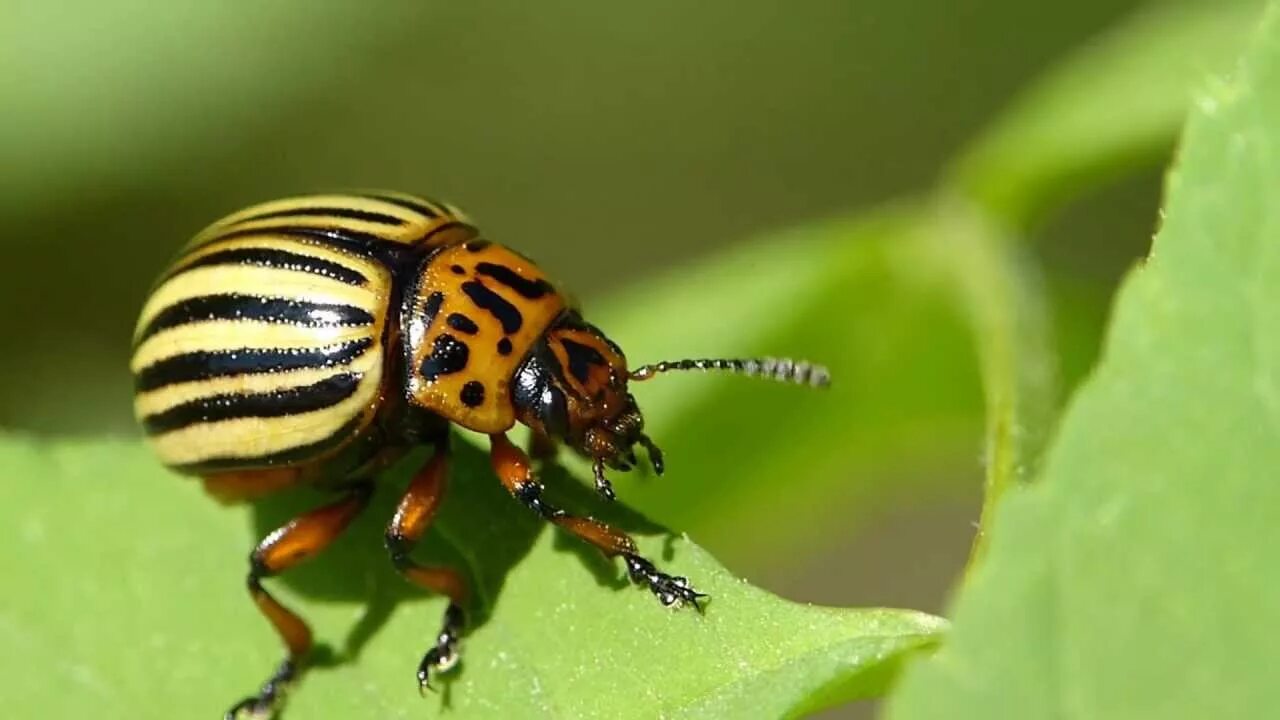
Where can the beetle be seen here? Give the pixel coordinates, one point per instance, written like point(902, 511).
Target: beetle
point(316, 339)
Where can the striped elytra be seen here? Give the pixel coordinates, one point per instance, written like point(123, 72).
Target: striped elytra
point(274, 340)
point(317, 338)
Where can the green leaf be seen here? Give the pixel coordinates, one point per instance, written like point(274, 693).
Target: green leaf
point(1138, 579)
point(1000, 289)
point(1116, 104)
point(129, 602)
point(909, 306)
point(868, 297)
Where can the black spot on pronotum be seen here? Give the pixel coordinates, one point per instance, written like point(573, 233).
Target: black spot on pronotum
point(531, 289)
point(504, 346)
point(448, 355)
point(462, 323)
point(458, 270)
point(581, 357)
point(432, 306)
point(472, 394)
point(486, 299)
point(476, 246)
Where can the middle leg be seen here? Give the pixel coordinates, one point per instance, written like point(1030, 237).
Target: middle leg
point(515, 471)
point(410, 522)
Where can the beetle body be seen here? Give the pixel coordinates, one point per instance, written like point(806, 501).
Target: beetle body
point(305, 333)
point(316, 339)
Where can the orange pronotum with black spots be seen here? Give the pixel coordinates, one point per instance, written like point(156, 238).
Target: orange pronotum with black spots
point(316, 339)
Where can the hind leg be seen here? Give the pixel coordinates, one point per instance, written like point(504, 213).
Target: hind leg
point(300, 539)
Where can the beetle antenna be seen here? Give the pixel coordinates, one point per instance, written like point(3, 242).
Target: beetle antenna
point(787, 370)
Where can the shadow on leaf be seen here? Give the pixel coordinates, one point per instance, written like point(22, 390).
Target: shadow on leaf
point(480, 530)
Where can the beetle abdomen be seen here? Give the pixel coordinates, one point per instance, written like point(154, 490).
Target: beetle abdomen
point(258, 350)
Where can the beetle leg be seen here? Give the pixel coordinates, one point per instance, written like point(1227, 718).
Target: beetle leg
point(412, 517)
point(298, 540)
point(513, 468)
point(603, 486)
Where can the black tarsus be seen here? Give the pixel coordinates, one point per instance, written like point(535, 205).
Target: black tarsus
point(669, 589)
point(603, 486)
point(530, 494)
point(444, 654)
point(270, 696)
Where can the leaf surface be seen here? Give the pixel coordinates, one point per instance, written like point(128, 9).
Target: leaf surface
point(130, 604)
point(1138, 579)
point(1115, 104)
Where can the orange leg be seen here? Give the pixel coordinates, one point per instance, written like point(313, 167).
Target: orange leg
point(413, 516)
point(513, 468)
point(300, 539)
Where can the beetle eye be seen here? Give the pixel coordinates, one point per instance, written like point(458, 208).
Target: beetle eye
point(554, 410)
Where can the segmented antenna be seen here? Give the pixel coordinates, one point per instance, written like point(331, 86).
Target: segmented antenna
point(799, 372)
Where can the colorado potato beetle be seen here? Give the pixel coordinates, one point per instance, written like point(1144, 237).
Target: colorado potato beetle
point(314, 340)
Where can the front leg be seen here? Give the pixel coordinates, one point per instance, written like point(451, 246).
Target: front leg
point(514, 470)
point(543, 449)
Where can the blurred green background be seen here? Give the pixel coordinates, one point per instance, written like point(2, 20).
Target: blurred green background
point(615, 143)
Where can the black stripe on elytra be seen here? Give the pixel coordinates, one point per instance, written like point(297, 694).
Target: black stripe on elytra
point(452, 225)
point(531, 289)
point(487, 299)
point(364, 244)
point(233, 306)
point(204, 364)
point(448, 355)
point(321, 211)
point(287, 456)
point(281, 259)
point(406, 203)
point(462, 324)
point(230, 406)
point(581, 358)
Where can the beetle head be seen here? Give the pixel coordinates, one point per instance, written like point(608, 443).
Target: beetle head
point(573, 387)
